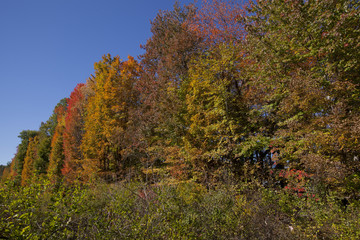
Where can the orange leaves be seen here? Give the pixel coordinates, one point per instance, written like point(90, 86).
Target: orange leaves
point(30, 157)
point(107, 115)
point(216, 85)
point(56, 159)
point(73, 133)
point(219, 21)
point(130, 68)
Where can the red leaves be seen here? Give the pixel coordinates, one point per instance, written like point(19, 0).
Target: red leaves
point(73, 133)
point(219, 21)
point(296, 181)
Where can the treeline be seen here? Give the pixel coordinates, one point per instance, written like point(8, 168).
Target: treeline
point(266, 91)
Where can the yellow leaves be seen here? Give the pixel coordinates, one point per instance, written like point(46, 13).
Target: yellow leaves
point(131, 68)
point(341, 141)
point(30, 157)
point(108, 109)
point(211, 102)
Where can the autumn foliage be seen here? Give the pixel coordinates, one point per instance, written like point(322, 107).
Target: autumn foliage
point(73, 133)
point(31, 154)
point(107, 117)
point(57, 157)
point(240, 120)
point(265, 91)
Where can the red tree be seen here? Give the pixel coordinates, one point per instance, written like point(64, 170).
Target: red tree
point(73, 133)
point(219, 21)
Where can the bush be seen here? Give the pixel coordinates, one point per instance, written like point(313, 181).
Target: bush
point(170, 211)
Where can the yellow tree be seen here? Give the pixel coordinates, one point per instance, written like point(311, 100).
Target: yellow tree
point(56, 159)
point(31, 155)
point(216, 109)
point(12, 170)
point(107, 116)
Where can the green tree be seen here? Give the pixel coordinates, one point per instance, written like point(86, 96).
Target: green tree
point(216, 109)
point(304, 66)
point(46, 133)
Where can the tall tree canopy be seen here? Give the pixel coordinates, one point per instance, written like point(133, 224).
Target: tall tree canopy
point(73, 133)
point(107, 115)
point(305, 68)
point(30, 157)
point(57, 156)
point(229, 87)
point(21, 151)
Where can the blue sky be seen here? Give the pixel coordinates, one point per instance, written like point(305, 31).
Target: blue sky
point(48, 46)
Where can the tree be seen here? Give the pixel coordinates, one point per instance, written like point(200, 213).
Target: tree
point(13, 171)
point(56, 158)
point(46, 133)
point(165, 63)
point(5, 175)
point(73, 133)
point(219, 21)
point(171, 46)
point(107, 116)
point(303, 55)
point(31, 154)
point(21, 152)
point(5, 171)
point(216, 109)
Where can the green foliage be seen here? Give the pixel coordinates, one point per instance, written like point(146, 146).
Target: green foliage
point(57, 156)
point(44, 149)
point(216, 111)
point(186, 210)
point(46, 133)
point(298, 52)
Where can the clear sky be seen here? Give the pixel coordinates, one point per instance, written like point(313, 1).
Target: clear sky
point(48, 46)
